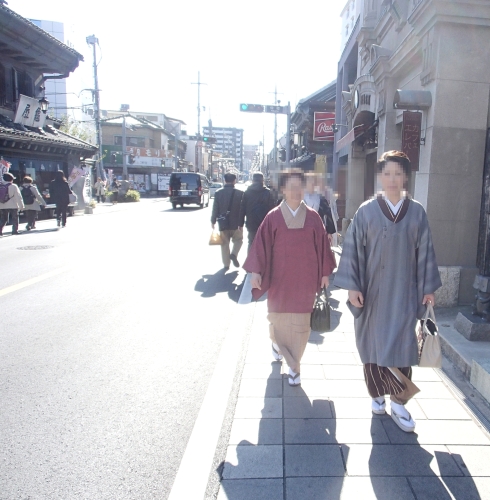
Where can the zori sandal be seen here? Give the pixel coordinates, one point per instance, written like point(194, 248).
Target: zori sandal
point(294, 379)
point(402, 418)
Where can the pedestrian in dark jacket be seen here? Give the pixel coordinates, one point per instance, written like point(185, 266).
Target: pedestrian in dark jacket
point(59, 194)
point(226, 210)
point(257, 201)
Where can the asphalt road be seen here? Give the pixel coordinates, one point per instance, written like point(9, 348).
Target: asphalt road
point(109, 334)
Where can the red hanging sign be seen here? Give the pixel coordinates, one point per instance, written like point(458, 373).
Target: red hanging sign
point(323, 129)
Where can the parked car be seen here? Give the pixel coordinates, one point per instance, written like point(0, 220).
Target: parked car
point(214, 187)
point(188, 188)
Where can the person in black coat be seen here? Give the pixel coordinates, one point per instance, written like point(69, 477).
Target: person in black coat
point(59, 194)
point(257, 201)
point(226, 209)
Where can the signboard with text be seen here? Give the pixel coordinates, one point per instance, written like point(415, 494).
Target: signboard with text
point(323, 126)
point(411, 133)
point(29, 112)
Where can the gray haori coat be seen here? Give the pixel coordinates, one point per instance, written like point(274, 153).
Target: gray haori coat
point(394, 266)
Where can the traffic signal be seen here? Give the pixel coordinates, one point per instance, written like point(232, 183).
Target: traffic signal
point(209, 140)
point(131, 159)
point(113, 157)
point(252, 108)
point(277, 109)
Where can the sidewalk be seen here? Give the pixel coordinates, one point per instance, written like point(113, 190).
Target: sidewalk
point(321, 441)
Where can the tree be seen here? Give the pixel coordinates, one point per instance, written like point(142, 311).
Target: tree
point(80, 130)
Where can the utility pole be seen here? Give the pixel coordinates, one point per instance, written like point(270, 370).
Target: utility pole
point(288, 133)
point(199, 83)
point(210, 127)
point(124, 155)
point(274, 151)
point(92, 40)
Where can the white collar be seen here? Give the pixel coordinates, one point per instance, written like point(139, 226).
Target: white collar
point(394, 208)
point(294, 212)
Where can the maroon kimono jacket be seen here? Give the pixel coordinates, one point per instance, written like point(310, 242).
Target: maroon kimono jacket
point(290, 261)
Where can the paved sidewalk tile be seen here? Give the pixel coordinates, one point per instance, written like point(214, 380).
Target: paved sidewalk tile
point(330, 388)
point(442, 409)
point(348, 488)
point(464, 488)
point(321, 440)
point(329, 431)
point(329, 358)
point(248, 489)
point(256, 431)
point(399, 460)
point(346, 407)
point(437, 432)
point(256, 462)
point(304, 407)
point(433, 390)
point(258, 408)
point(256, 388)
point(314, 460)
point(472, 460)
point(343, 372)
point(262, 370)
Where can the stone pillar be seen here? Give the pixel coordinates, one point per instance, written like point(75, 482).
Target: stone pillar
point(356, 173)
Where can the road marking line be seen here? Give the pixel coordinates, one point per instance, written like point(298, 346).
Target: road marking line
point(194, 470)
point(31, 281)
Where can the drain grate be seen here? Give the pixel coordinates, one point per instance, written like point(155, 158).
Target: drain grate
point(35, 247)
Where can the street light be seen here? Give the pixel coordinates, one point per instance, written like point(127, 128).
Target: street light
point(44, 103)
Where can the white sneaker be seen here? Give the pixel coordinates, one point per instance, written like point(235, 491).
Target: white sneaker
point(378, 405)
point(402, 418)
point(294, 378)
point(275, 352)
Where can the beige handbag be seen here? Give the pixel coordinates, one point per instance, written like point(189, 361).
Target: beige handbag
point(429, 343)
point(215, 238)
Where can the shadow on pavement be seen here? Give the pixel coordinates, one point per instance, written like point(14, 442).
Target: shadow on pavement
point(180, 210)
point(410, 459)
point(221, 282)
point(296, 453)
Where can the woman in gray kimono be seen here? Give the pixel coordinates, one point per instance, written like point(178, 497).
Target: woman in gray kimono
point(388, 265)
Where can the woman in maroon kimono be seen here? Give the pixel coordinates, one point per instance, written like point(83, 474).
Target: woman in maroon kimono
point(291, 259)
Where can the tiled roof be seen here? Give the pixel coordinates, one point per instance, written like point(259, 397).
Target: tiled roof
point(46, 136)
point(5, 11)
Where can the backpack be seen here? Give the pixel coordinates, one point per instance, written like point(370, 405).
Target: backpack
point(4, 192)
point(27, 195)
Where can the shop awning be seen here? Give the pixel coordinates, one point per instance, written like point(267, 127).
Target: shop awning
point(362, 123)
point(346, 140)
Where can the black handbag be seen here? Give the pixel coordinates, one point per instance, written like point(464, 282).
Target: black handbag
point(320, 317)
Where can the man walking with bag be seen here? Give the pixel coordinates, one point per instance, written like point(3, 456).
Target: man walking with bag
point(257, 201)
point(226, 211)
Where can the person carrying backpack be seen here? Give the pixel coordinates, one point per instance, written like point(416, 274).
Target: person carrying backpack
point(257, 201)
point(33, 201)
point(10, 203)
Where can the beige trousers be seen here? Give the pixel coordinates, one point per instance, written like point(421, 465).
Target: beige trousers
point(236, 237)
point(290, 331)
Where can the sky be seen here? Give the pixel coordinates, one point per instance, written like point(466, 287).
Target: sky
point(150, 53)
